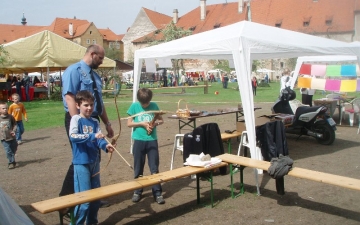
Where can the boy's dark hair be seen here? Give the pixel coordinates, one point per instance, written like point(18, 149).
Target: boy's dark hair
point(144, 95)
point(3, 103)
point(84, 95)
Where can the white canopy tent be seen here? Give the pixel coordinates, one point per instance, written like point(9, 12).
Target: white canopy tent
point(128, 76)
point(320, 59)
point(242, 42)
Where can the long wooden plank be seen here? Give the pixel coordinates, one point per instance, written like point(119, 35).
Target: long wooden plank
point(327, 178)
point(225, 136)
point(71, 200)
point(175, 174)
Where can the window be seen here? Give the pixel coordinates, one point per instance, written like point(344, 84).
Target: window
point(114, 45)
point(192, 28)
point(306, 22)
point(90, 32)
point(94, 41)
point(217, 25)
point(281, 64)
point(88, 41)
point(328, 20)
point(278, 23)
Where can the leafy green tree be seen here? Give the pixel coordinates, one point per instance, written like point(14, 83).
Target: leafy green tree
point(169, 33)
point(221, 65)
point(4, 57)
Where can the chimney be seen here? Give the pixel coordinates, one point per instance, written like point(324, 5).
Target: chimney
point(240, 7)
point(175, 16)
point(71, 30)
point(202, 9)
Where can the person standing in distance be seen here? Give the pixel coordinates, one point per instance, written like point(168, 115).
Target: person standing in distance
point(77, 77)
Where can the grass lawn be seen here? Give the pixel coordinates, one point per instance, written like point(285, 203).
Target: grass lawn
point(47, 114)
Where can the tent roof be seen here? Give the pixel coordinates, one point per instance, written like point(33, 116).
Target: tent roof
point(327, 58)
point(263, 42)
point(43, 50)
point(241, 43)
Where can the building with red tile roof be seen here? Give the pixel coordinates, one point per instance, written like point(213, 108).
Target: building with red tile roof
point(146, 22)
point(333, 19)
point(79, 31)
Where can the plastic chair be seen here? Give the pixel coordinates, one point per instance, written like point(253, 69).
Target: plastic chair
point(177, 146)
point(337, 97)
point(243, 143)
point(354, 110)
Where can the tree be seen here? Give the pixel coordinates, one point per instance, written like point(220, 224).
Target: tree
point(169, 33)
point(221, 65)
point(112, 53)
point(4, 57)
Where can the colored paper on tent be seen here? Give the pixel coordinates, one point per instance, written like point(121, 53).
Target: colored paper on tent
point(318, 70)
point(333, 70)
point(318, 84)
point(305, 69)
point(348, 70)
point(332, 85)
point(358, 85)
point(304, 82)
point(348, 86)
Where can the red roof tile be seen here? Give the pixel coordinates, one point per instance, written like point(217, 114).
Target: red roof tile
point(158, 19)
point(11, 33)
point(120, 36)
point(218, 14)
point(153, 36)
point(290, 13)
point(109, 35)
point(60, 26)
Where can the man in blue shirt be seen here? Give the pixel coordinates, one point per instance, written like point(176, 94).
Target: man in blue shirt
point(77, 77)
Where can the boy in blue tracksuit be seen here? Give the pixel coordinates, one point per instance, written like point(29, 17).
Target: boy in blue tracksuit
point(86, 138)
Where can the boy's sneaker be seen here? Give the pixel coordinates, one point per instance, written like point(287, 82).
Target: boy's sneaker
point(136, 198)
point(19, 142)
point(160, 199)
point(11, 165)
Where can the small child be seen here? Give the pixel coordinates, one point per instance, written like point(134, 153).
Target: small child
point(17, 110)
point(86, 138)
point(145, 140)
point(8, 128)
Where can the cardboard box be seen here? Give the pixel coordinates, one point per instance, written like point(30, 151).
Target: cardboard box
point(287, 119)
point(240, 126)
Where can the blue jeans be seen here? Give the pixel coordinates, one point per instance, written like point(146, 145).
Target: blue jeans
point(141, 149)
point(10, 148)
point(83, 181)
point(27, 87)
point(20, 130)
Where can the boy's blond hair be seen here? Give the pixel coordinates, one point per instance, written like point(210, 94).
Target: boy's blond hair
point(15, 95)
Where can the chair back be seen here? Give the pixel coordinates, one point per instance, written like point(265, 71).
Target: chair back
point(333, 96)
point(356, 105)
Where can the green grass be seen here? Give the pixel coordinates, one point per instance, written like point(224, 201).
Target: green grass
point(50, 114)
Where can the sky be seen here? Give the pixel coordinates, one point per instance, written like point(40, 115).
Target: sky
point(117, 15)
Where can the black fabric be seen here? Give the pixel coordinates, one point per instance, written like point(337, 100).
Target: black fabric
point(96, 94)
point(272, 139)
point(204, 139)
